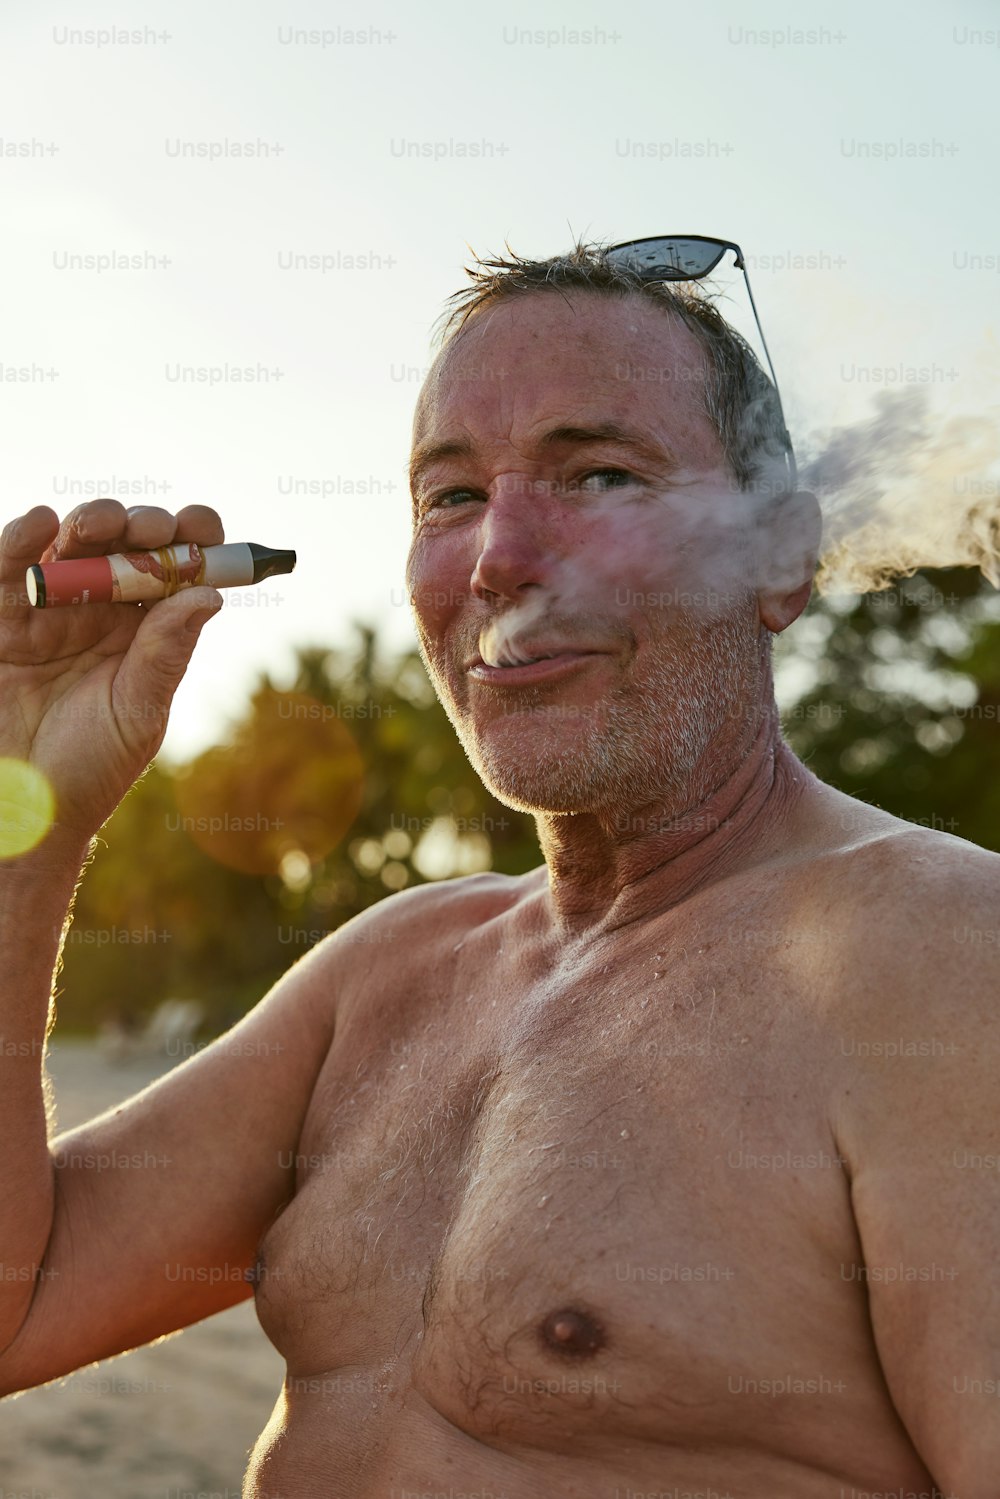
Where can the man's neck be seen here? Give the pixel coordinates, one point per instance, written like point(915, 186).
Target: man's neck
point(604, 873)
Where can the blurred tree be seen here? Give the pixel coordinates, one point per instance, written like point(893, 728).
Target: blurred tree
point(894, 697)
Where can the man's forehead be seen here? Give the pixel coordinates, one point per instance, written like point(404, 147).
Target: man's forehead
point(521, 366)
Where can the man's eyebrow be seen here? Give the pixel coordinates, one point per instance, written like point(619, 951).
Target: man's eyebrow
point(612, 432)
point(428, 453)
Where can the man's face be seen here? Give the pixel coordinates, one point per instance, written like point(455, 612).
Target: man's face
point(622, 558)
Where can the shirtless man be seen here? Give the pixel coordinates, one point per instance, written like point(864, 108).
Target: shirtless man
point(660, 1170)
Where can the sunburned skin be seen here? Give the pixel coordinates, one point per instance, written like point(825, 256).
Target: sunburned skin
point(582, 1226)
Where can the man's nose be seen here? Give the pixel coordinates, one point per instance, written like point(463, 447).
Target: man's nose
point(518, 544)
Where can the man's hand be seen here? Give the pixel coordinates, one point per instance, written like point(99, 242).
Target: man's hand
point(86, 690)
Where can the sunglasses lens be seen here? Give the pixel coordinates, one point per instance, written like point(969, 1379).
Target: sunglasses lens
point(669, 259)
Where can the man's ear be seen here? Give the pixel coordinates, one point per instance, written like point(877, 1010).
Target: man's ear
point(789, 534)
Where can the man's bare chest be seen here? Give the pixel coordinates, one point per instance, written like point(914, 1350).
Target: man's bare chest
point(536, 1198)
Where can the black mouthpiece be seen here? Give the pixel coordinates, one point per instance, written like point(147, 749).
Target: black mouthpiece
point(268, 563)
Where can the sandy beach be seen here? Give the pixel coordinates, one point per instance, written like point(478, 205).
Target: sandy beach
point(173, 1421)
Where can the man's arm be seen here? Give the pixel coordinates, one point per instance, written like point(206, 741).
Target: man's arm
point(920, 1127)
point(159, 1204)
point(145, 1219)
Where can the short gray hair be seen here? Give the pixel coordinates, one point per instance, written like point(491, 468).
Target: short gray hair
point(737, 396)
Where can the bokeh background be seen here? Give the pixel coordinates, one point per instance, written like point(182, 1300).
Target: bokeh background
point(228, 233)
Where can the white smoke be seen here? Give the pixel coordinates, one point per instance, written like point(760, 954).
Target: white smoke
point(904, 489)
point(502, 635)
point(901, 489)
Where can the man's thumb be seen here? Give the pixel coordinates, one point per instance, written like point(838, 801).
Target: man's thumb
point(164, 642)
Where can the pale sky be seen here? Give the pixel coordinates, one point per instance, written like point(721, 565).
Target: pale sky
point(862, 136)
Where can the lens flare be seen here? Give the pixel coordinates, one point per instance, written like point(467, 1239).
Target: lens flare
point(27, 807)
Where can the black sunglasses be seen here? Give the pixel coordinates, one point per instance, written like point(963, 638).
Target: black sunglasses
point(689, 257)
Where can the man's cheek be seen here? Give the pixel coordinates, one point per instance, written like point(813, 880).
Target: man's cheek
point(438, 581)
point(435, 603)
point(712, 563)
point(704, 589)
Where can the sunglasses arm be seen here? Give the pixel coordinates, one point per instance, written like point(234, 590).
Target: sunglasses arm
point(741, 265)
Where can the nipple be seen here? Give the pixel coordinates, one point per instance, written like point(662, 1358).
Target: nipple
point(571, 1331)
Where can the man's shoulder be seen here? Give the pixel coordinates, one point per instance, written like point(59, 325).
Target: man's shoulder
point(399, 926)
point(860, 851)
point(915, 917)
point(912, 868)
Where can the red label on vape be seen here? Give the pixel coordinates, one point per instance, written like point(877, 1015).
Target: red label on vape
point(78, 580)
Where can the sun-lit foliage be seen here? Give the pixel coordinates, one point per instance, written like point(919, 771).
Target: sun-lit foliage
point(894, 697)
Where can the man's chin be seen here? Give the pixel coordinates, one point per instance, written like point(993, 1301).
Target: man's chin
point(537, 799)
point(534, 796)
point(566, 777)
point(537, 761)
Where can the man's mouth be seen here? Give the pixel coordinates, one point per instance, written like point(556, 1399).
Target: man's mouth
point(523, 666)
point(518, 658)
point(505, 654)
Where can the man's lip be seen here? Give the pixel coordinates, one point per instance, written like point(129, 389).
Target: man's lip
point(548, 666)
point(546, 653)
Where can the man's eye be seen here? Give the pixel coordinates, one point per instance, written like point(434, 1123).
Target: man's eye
point(618, 478)
point(594, 481)
point(449, 498)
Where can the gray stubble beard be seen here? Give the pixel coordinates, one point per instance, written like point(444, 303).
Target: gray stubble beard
point(636, 747)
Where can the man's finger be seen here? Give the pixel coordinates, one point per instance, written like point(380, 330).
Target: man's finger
point(21, 544)
point(88, 531)
point(24, 539)
point(148, 526)
point(200, 523)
